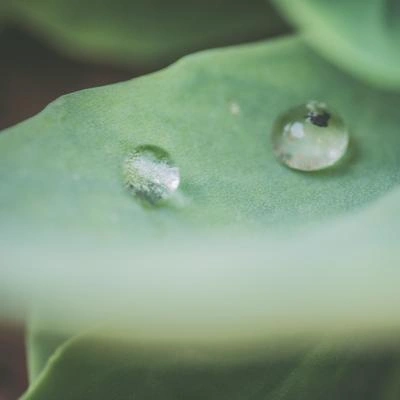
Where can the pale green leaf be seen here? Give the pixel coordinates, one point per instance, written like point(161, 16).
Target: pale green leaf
point(363, 37)
point(249, 249)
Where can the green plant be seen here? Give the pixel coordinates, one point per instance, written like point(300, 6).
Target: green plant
point(261, 282)
point(143, 32)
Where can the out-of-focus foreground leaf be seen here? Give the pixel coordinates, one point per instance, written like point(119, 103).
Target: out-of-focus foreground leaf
point(363, 37)
point(88, 368)
point(144, 31)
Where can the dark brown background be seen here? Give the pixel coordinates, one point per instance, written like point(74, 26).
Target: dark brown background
point(32, 75)
point(13, 378)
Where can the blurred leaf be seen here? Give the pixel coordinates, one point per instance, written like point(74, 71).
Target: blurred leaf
point(249, 249)
point(86, 368)
point(41, 345)
point(360, 36)
point(139, 31)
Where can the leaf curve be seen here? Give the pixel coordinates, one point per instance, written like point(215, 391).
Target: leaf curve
point(42, 344)
point(361, 37)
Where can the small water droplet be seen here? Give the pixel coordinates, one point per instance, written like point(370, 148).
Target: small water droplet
point(310, 137)
point(234, 108)
point(150, 173)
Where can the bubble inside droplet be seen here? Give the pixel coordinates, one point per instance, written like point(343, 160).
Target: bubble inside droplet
point(150, 174)
point(310, 137)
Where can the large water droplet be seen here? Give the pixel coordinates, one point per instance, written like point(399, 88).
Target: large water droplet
point(310, 137)
point(150, 173)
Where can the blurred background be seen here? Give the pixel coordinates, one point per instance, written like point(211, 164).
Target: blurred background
point(32, 75)
point(13, 377)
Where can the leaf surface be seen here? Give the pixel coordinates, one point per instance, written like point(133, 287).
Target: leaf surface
point(249, 249)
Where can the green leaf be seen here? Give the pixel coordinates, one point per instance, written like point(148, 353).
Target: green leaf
point(360, 36)
point(88, 368)
point(41, 345)
point(142, 31)
point(251, 251)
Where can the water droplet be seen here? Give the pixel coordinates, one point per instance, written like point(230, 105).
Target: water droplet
point(150, 173)
point(234, 108)
point(310, 137)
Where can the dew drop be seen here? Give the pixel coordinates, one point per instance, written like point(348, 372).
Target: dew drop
point(234, 108)
point(150, 174)
point(310, 137)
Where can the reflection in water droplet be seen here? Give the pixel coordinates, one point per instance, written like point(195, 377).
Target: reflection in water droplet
point(150, 173)
point(310, 137)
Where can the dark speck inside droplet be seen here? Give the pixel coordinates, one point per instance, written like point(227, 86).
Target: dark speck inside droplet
point(319, 119)
point(309, 137)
